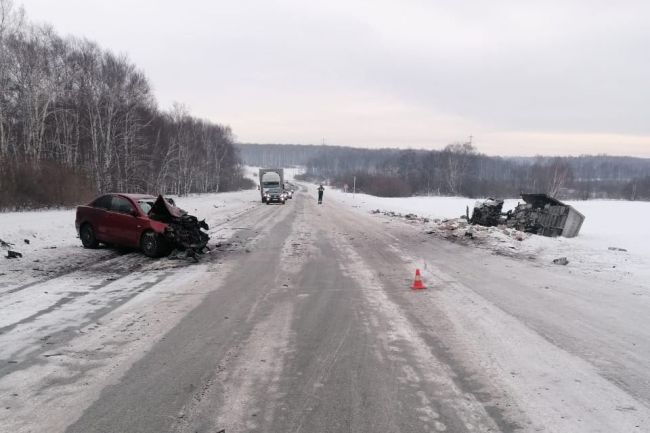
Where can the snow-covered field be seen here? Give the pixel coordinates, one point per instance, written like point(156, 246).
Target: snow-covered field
point(608, 223)
point(51, 249)
point(50, 246)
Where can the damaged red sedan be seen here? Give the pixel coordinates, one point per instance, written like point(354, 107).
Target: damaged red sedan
point(154, 225)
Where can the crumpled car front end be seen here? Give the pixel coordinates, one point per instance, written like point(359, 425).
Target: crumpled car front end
point(182, 231)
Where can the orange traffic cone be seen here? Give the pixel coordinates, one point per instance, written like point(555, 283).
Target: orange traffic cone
point(417, 282)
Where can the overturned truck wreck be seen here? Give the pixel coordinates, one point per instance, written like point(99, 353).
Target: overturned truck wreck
point(183, 231)
point(540, 214)
point(546, 216)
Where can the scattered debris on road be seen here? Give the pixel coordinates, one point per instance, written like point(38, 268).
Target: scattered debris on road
point(489, 228)
point(500, 239)
point(409, 216)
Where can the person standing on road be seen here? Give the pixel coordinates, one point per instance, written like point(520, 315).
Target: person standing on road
point(320, 194)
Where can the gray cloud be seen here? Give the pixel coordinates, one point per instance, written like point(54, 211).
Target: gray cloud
point(523, 77)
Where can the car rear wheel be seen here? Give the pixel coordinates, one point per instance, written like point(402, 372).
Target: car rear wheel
point(87, 235)
point(152, 244)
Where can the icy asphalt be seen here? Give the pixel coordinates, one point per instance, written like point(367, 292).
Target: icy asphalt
point(304, 322)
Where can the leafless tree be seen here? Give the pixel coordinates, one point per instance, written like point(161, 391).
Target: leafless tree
point(457, 158)
point(74, 114)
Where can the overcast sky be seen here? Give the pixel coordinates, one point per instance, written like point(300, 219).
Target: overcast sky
point(522, 77)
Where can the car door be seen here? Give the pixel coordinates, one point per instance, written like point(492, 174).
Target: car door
point(98, 211)
point(121, 223)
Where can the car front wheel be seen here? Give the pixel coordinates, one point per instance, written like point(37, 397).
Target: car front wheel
point(87, 235)
point(151, 244)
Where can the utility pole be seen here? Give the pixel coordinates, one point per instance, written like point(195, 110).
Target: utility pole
point(354, 187)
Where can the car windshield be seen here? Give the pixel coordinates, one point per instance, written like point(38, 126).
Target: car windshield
point(145, 205)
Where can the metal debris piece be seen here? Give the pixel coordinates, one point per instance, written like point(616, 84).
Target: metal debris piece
point(14, 255)
point(561, 261)
point(487, 213)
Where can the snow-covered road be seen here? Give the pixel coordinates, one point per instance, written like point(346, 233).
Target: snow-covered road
point(303, 320)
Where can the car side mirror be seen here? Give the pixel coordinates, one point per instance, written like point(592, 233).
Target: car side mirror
point(135, 213)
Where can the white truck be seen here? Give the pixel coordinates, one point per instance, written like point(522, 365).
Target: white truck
point(272, 185)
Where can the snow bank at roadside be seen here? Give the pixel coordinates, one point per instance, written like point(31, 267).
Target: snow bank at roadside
point(608, 223)
point(54, 247)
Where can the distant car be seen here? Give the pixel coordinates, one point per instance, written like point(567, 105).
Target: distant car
point(121, 219)
point(289, 189)
point(275, 195)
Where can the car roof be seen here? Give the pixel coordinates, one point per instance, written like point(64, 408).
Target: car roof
point(134, 196)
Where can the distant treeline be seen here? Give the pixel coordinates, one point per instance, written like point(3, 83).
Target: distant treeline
point(281, 155)
point(76, 120)
point(460, 169)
